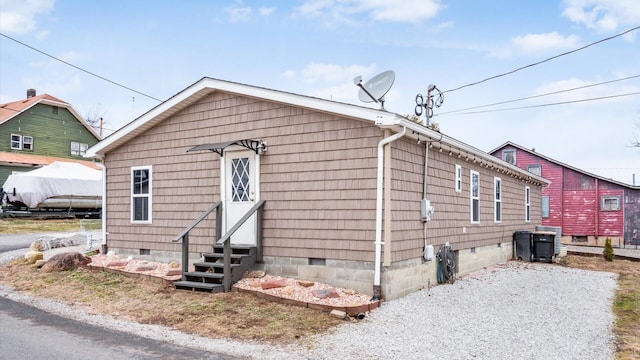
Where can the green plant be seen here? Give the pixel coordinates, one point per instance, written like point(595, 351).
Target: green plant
point(608, 250)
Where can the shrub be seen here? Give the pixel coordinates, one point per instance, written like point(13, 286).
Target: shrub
point(608, 250)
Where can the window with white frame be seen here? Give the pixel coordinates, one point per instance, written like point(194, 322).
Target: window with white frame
point(27, 143)
point(141, 194)
point(458, 178)
point(78, 149)
point(16, 142)
point(535, 169)
point(610, 203)
point(497, 199)
point(509, 156)
point(527, 204)
point(474, 194)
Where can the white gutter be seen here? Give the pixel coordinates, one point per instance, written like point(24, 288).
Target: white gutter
point(378, 243)
point(437, 136)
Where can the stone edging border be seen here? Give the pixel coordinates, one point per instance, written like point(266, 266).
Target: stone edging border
point(349, 310)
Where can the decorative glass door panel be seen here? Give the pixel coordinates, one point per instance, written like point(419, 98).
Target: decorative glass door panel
point(240, 194)
point(240, 186)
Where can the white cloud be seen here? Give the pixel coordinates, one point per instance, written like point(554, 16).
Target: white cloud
point(541, 43)
point(238, 13)
point(267, 11)
point(347, 11)
point(332, 73)
point(604, 15)
point(586, 91)
point(289, 74)
point(19, 16)
point(332, 81)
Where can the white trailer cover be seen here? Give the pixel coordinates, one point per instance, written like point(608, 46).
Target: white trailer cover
point(58, 179)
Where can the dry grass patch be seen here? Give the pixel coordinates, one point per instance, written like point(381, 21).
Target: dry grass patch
point(33, 226)
point(626, 304)
point(233, 315)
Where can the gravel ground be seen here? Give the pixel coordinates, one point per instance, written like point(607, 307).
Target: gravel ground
point(518, 310)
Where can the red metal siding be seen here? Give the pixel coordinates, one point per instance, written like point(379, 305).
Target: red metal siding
point(610, 223)
point(554, 174)
point(575, 200)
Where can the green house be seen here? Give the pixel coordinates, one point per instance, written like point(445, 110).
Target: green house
point(39, 130)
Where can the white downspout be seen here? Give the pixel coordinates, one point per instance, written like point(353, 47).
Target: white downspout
point(378, 243)
point(103, 211)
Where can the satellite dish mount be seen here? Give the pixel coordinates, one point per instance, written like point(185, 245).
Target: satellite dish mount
point(375, 89)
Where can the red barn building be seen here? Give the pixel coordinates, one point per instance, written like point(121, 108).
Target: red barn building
point(588, 207)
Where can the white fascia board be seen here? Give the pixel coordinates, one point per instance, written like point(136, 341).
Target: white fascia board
point(438, 136)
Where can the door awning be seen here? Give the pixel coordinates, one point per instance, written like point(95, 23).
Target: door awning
point(259, 146)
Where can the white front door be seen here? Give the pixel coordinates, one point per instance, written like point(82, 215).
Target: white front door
point(240, 194)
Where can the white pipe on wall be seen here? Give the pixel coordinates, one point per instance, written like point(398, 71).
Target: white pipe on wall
point(379, 188)
point(103, 211)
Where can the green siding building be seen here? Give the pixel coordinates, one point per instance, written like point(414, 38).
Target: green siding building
point(39, 130)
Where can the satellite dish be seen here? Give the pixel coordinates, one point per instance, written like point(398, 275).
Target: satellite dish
point(375, 89)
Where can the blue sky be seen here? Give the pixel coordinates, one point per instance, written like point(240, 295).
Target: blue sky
point(317, 47)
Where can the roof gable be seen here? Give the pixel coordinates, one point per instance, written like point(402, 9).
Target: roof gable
point(533, 153)
point(12, 109)
point(207, 86)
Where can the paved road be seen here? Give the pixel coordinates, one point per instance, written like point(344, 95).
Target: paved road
point(15, 242)
point(9, 242)
point(30, 333)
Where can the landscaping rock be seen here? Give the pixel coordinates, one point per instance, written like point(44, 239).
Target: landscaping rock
point(146, 267)
point(173, 272)
point(326, 293)
point(40, 263)
point(174, 265)
point(287, 290)
point(338, 313)
point(33, 256)
point(273, 284)
point(306, 283)
point(65, 261)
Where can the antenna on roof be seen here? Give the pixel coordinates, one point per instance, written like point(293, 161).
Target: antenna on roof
point(376, 88)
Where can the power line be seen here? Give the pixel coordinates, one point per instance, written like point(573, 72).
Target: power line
point(549, 104)
point(537, 96)
point(79, 68)
point(543, 61)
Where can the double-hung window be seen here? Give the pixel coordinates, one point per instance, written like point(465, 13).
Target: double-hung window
point(474, 195)
point(16, 142)
point(27, 143)
point(497, 199)
point(527, 204)
point(141, 194)
point(458, 178)
point(78, 149)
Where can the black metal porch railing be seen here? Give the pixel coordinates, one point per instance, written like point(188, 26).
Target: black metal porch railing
point(184, 235)
point(226, 241)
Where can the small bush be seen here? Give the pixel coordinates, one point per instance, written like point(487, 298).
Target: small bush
point(608, 250)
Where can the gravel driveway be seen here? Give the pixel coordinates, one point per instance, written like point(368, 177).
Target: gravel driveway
point(518, 310)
